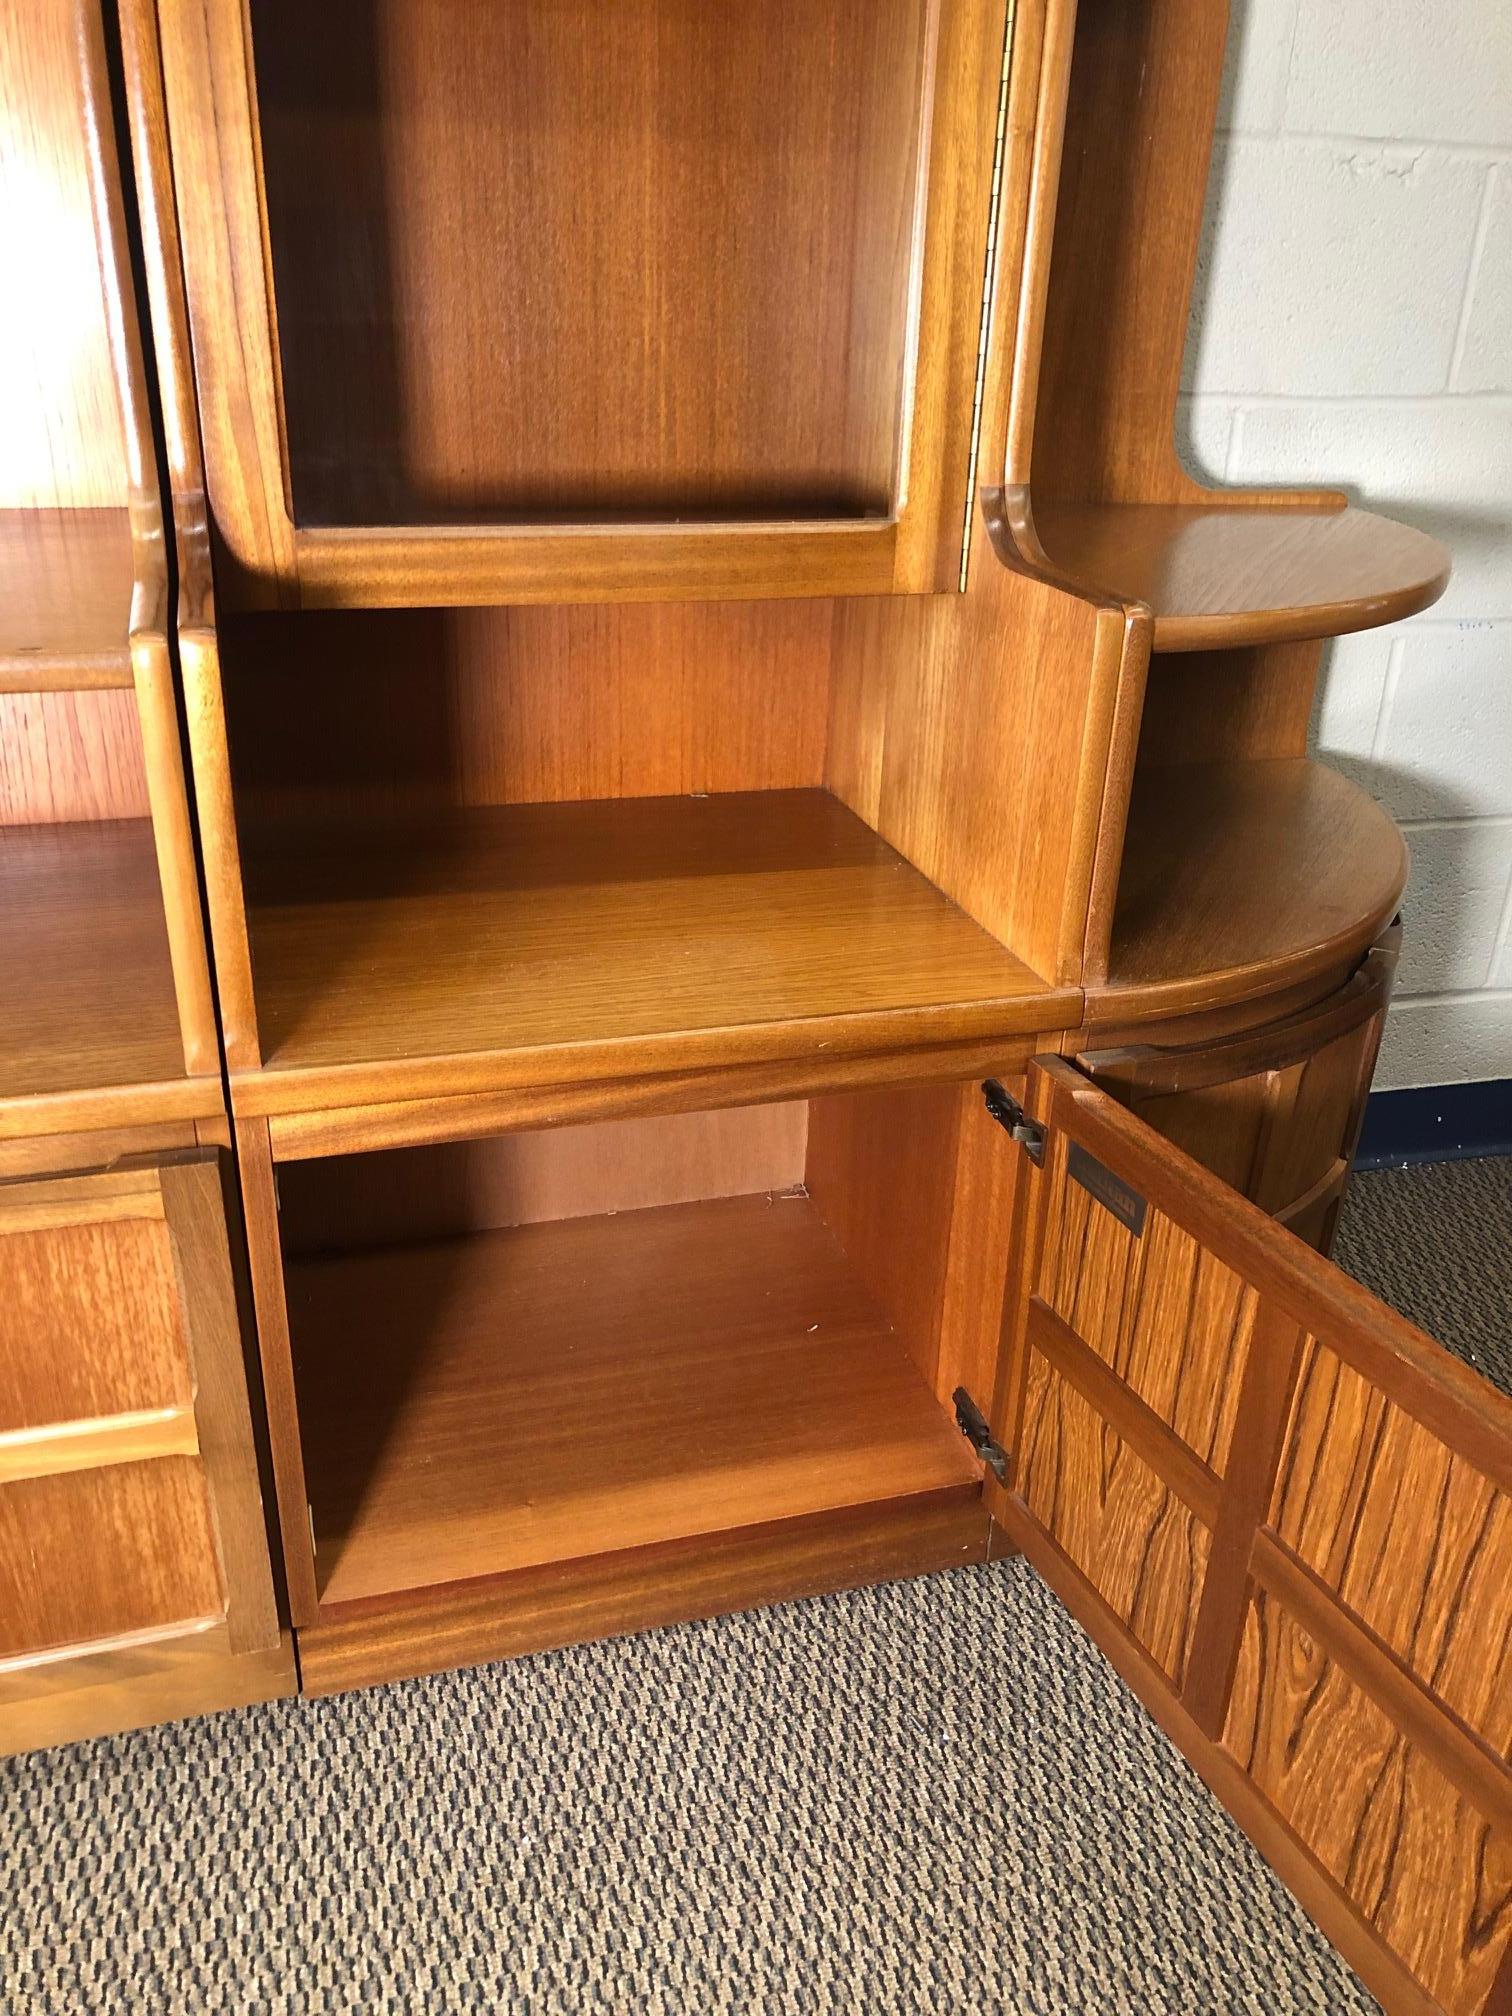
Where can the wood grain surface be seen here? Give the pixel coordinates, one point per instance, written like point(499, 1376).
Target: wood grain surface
point(1195, 922)
point(1415, 1541)
point(60, 410)
point(1168, 1319)
point(531, 944)
point(420, 710)
point(89, 1321)
point(607, 1595)
point(1223, 577)
point(97, 1554)
point(89, 998)
point(755, 309)
point(1421, 1864)
point(597, 1384)
point(133, 1687)
point(1139, 1545)
point(666, 273)
point(70, 756)
point(65, 599)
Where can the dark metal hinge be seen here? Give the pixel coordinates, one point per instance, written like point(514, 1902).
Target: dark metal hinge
point(1007, 1112)
point(973, 1425)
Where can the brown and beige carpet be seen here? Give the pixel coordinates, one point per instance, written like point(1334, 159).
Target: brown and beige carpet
point(926, 1799)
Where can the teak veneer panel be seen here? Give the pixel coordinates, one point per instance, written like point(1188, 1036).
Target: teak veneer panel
point(1424, 1867)
point(749, 341)
point(87, 982)
point(60, 404)
point(577, 1388)
point(1416, 1542)
point(1220, 576)
point(645, 260)
point(424, 709)
point(1239, 877)
point(66, 580)
point(91, 1556)
point(540, 943)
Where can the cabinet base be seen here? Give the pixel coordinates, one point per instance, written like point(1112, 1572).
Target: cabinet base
point(614, 1595)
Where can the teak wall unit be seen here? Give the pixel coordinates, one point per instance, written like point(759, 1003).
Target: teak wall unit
point(795, 1008)
point(135, 1579)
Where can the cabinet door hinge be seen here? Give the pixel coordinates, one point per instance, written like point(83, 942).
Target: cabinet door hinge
point(1007, 1112)
point(973, 1425)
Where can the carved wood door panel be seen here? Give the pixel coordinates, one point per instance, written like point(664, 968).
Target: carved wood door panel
point(1286, 1516)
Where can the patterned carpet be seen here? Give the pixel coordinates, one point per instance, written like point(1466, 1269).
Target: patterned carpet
point(926, 1799)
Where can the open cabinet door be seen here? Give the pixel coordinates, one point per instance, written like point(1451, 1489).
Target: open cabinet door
point(1285, 1515)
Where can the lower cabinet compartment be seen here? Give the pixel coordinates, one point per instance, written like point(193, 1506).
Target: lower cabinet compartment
point(548, 1348)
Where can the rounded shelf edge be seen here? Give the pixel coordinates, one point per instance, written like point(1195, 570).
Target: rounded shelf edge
point(1242, 879)
point(1227, 575)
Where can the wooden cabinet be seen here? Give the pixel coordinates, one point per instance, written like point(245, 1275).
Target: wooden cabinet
point(1286, 1515)
point(134, 1571)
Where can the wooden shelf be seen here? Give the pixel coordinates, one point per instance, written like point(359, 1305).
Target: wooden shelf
point(1242, 877)
point(544, 943)
point(65, 600)
point(577, 1388)
point(1232, 575)
point(89, 1007)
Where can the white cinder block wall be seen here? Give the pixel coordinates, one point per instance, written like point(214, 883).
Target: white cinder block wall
point(1352, 325)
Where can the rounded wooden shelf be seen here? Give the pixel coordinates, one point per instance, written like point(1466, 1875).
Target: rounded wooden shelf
point(1220, 576)
point(1243, 878)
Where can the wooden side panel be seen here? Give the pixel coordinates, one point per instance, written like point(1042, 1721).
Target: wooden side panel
point(1139, 124)
point(1415, 1541)
point(973, 733)
point(1143, 1550)
point(106, 1554)
point(879, 1170)
point(1421, 1864)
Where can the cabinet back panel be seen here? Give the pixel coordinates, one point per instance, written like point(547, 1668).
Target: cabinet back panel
point(546, 258)
point(404, 1194)
point(420, 709)
point(60, 420)
point(66, 756)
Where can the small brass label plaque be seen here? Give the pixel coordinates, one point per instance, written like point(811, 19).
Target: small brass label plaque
point(1111, 1191)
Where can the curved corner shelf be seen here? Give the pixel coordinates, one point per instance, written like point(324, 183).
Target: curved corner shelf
point(1240, 878)
point(1217, 576)
point(66, 581)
